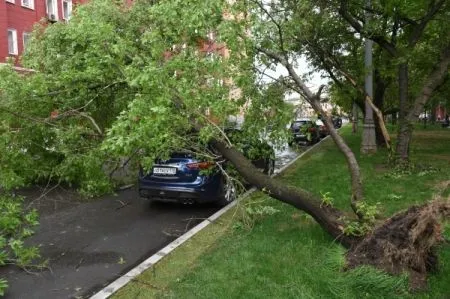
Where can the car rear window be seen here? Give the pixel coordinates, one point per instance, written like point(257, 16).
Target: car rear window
point(181, 155)
point(298, 124)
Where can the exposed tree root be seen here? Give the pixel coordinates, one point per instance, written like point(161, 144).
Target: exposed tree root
point(405, 242)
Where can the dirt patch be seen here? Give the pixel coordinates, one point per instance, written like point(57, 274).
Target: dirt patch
point(405, 242)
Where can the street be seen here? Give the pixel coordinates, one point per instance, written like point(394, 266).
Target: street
point(89, 244)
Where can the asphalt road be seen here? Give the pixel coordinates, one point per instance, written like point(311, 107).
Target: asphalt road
point(89, 244)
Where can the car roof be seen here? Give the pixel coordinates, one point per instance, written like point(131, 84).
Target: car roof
point(302, 120)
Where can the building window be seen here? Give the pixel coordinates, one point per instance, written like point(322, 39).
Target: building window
point(67, 9)
point(12, 42)
point(26, 39)
point(28, 3)
point(52, 10)
point(11, 1)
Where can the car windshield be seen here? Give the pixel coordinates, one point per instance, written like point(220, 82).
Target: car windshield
point(182, 154)
point(298, 124)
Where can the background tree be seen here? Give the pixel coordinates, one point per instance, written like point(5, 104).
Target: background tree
point(415, 27)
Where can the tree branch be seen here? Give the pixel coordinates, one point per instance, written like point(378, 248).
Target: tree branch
point(380, 40)
point(19, 115)
point(433, 81)
point(369, 100)
point(92, 121)
point(355, 174)
point(280, 31)
point(420, 27)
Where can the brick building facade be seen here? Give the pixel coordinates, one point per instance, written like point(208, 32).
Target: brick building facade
point(17, 18)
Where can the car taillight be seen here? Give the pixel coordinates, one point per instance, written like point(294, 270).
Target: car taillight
point(199, 165)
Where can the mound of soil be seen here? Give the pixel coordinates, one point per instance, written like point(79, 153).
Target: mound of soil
point(405, 242)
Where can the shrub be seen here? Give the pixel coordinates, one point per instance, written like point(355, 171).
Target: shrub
point(16, 224)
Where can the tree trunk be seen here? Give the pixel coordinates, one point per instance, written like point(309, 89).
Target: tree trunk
point(394, 118)
point(403, 140)
point(327, 217)
point(432, 115)
point(378, 100)
point(353, 166)
point(405, 130)
point(354, 118)
point(314, 100)
point(433, 80)
point(379, 133)
point(403, 90)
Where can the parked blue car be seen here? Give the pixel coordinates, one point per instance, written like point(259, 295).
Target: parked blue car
point(184, 178)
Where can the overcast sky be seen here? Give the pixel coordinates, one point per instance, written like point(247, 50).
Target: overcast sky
point(313, 82)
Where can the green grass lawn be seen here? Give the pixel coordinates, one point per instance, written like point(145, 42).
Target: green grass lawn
point(266, 249)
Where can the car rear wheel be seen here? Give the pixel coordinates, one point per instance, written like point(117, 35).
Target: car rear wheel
point(227, 192)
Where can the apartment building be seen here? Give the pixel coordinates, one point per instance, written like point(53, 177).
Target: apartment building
point(17, 18)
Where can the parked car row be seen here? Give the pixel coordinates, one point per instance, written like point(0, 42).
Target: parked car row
point(187, 178)
point(311, 131)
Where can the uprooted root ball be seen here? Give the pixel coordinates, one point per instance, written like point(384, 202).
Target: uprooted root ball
point(405, 242)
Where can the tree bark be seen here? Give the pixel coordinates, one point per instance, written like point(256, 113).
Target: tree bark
point(403, 140)
point(381, 123)
point(354, 118)
point(403, 90)
point(378, 100)
point(353, 166)
point(405, 129)
point(327, 217)
point(379, 133)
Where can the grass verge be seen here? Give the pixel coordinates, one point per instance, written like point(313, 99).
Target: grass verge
point(266, 249)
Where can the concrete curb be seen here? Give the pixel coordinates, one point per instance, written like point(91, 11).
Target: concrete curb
point(113, 287)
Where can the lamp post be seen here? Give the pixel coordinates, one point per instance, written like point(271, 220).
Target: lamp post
point(368, 145)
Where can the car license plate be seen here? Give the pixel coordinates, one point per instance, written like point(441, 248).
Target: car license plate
point(164, 170)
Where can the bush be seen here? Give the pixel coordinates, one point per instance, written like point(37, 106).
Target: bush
point(16, 225)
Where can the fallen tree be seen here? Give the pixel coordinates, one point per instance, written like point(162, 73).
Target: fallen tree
point(148, 77)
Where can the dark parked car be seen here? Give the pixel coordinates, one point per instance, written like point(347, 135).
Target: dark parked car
point(323, 130)
point(187, 179)
point(304, 130)
point(337, 122)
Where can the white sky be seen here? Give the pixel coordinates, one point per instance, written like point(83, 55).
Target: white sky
point(313, 81)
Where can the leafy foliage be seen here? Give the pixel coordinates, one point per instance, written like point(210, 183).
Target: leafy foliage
point(15, 226)
point(361, 227)
point(327, 200)
point(3, 286)
point(136, 86)
point(251, 212)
